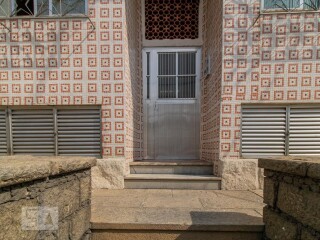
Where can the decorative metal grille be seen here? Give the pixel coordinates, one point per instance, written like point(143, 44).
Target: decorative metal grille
point(171, 19)
point(177, 75)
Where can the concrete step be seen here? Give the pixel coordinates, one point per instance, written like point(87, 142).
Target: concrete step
point(176, 214)
point(172, 181)
point(143, 234)
point(187, 167)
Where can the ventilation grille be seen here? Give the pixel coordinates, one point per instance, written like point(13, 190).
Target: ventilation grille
point(304, 131)
point(171, 19)
point(33, 132)
point(263, 131)
point(3, 135)
point(79, 132)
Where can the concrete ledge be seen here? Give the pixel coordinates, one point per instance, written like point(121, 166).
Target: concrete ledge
point(292, 193)
point(19, 169)
point(218, 227)
point(301, 166)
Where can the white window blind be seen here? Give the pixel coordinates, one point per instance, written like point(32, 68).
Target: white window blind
point(78, 131)
point(32, 132)
point(52, 131)
point(304, 131)
point(3, 134)
point(263, 131)
point(177, 75)
point(287, 130)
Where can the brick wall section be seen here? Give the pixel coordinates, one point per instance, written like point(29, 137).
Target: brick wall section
point(211, 84)
point(69, 189)
point(272, 58)
point(71, 61)
point(133, 80)
point(292, 193)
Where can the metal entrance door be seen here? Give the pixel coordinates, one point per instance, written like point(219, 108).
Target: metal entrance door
point(171, 103)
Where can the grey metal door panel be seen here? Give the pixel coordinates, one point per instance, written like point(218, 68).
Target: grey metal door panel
point(171, 103)
point(176, 131)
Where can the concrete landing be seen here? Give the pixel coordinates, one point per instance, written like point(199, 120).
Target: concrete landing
point(176, 214)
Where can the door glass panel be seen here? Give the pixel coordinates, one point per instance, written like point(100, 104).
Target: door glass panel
point(312, 4)
point(284, 4)
point(167, 64)
point(43, 8)
point(187, 87)
point(186, 63)
point(167, 87)
point(5, 8)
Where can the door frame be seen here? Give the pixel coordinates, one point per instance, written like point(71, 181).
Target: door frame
point(154, 69)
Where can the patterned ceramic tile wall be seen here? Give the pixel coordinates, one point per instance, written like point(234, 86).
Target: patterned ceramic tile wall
point(133, 80)
point(211, 85)
point(274, 60)
point(68, 62)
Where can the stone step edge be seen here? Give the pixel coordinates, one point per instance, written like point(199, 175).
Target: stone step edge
point(185, 163)
point(175, 177)
point(178, 227)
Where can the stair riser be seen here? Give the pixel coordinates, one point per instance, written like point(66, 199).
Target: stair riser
point(187, 170)
point(172, 184)
point(173, 235)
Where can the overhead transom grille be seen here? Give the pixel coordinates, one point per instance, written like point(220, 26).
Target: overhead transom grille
point(171, 19)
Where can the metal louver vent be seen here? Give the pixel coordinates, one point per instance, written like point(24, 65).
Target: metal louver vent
point(33, 132)
point(3, 134)
point(304, 131)
point(263, 131)
point(78, 132)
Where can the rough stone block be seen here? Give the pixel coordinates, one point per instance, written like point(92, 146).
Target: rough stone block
point(285, 164)
point(80, 223)
point(260, 178)
point(288, 179)
point(301, 204)
point(269, 192)
point(108, 174)
point(65, 196)
point(268, 173)
point(278, 228)
point(306, 235)
point(85, 188)
point(64, 229)
point(10, 219)
point(5, 196)
point(19, 192)
point(240, 174)
point(314, 171)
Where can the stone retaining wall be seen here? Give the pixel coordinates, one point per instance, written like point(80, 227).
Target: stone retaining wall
point(292, 195)
point(45, 197)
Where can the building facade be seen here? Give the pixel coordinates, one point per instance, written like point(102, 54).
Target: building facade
point(219, 80)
